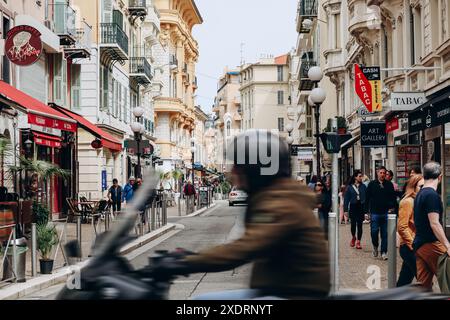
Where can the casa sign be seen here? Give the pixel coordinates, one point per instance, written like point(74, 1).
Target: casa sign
point(407, 101)
point(23, 45)
point(368, 87)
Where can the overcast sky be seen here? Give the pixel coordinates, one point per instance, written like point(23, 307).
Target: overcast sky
point(264, 26)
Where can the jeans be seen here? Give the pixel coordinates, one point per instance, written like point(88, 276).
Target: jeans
point(116, 205)
point(378, 224)
point(240, 294)
point(408, 271)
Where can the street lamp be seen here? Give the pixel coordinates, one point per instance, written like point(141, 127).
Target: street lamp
point(193, 153)
point(138, 129)
point(289, 128)
point(315, 99)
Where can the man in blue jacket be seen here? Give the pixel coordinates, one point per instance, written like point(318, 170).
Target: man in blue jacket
point(354, 200)
point(128, 190)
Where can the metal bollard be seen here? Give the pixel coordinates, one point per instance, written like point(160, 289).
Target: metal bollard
point(179, 205)
point(164, 211)
point(332, 250)
point(15, 254)
point(152, 218)
point(33, 250)
point(392, 250)
point(79, 235)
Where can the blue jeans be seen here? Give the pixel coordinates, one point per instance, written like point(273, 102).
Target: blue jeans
point(378, 224)
point(240, 294)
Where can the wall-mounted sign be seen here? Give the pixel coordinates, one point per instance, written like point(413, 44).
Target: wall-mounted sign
point(363, 112)
point(368, 87)
point(407, 101)
point(392, 124)
point(96, 144)
point(373, 134)
point(435, 115)
point(104, 186)
point(23, 45)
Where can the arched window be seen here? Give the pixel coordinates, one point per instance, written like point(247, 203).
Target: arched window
point(228, 128)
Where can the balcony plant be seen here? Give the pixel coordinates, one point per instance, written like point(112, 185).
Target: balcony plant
point(341, 125)
point(47, 239)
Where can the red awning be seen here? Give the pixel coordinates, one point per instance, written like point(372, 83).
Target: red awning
point(38, 113)
point(47, 140)
point(108, 141)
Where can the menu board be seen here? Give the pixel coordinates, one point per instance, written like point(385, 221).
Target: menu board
point(407, 157)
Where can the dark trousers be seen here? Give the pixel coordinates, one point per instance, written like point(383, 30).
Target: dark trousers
point(116, 205)
point(378, 224)
point(323, 217)
point(356, 219)
point(409, 269)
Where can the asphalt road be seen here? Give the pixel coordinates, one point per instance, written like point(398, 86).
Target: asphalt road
point(217, 225)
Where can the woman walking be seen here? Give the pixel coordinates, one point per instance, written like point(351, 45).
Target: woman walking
point(407, 230)
point(354, 200)
point(323, 205)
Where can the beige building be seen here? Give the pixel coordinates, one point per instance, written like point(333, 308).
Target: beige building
point(228, 112)
point(174, 108)
point(200, 143)
point(265, 94)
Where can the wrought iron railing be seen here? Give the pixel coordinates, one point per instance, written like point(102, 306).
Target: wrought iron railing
point(140, 65)
point(304, 68)
point(83, 36)
point(137, 3)
point(308, 7)
point(112, 33)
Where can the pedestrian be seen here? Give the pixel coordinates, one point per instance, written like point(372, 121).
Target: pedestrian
point(115, 195)
point(390, 177)
point(430, 241)
point(414, 170)
point(380, 200)
point(407, 231)
point(354, 200)
point(189, 192)
point(343, 217)
point(128, 190)
point(281, 237)
point(323, 205)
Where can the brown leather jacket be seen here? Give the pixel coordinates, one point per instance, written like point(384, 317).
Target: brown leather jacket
point(406, 228)
point(283, 239)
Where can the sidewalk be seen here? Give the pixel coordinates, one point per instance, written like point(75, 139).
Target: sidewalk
point(61, 272)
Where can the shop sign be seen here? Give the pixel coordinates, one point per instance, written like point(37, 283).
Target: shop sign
point(430, 117)
point(368, 87)
point(51, 123)
point(403, 127)
point(47, 142)
point(407, 101)
point(392, 125)
point(47, 130)
point(407, 157)
point(23, 45)
point(104, 186)
point(305, 153)
point(363, 112)
point(96, 144)
point(373, 134)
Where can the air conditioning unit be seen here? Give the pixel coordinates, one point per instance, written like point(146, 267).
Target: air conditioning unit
point(49, 24)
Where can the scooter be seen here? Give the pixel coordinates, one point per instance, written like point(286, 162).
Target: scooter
point(109, 276)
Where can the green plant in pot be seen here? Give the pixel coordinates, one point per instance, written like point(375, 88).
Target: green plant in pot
point(47, 239)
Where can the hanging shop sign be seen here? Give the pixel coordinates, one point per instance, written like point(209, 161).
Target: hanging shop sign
point(363, 112)
point(104, 179)
point(392, 124)
point(407, 101)
point(23, 45)
point(368, 87)
point(435, 115)
point(97, 144)
point(373, 134)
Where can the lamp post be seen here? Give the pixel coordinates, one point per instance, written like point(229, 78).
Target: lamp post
point(315, 99)
point(193, 153)
point(138, 130)
point(290, 140)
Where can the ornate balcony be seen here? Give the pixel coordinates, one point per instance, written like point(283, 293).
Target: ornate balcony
point(113, 42)
point(137, 9)
point(140, 70)
point(81, 49)
point(305, 83)
point(307, 9)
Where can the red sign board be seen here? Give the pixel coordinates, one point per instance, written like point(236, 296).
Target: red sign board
point(96, 144)
point(23, 45)
point(392, 125)
point(47, 142)
point(368, 87)
point(51, 123)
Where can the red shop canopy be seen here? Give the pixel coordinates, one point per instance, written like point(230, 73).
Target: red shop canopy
point(47, 140)
point(108, 141)
point(38, 113)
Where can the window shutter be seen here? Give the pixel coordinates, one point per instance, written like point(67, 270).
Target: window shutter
point(75, 74)
point(57, 78)
point(107, 11)
point(118, 18)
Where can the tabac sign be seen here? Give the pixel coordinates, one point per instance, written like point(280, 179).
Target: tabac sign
point(23, 45)
point(368, 87)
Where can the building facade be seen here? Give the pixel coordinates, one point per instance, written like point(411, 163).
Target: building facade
point(176, 55)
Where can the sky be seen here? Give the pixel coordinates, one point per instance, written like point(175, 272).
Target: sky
point(264, 26)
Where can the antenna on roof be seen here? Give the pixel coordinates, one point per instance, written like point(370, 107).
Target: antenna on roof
point(242, 53)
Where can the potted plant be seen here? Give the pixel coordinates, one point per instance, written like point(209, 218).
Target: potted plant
point(47, 238)
point(41, 213)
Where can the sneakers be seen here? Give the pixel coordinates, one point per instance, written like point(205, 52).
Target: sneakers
point(352, 243)
point(358, 244)
point(375, 252)
point(384, 256)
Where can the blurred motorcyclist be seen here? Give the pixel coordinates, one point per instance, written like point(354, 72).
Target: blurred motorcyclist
point(282, 237)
